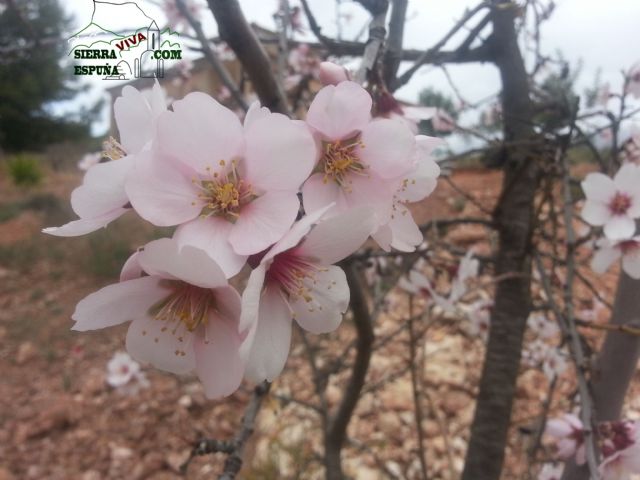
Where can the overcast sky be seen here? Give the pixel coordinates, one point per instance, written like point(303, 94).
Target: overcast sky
point(604, 35)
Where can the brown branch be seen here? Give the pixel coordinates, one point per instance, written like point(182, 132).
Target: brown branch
point(212, 57)
point(337, 427)
point(235, 30)
point(393, 52)
point(415, 388)
point(233, 448)
point(433, 54)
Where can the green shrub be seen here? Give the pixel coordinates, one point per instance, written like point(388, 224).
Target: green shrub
point(25, 170)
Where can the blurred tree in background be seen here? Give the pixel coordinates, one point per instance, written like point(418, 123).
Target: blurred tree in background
point(33, 74)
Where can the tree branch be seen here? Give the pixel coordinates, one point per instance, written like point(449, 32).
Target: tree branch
point(377, 32)
point(337, 427)
point(212, 57)
point(235, 30)
point(393, 53)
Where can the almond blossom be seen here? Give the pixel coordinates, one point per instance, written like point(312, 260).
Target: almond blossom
point(184, 315)
point(330, 73)
point(102, 198)
point(124, 374)
point(295, 279)
point(362, 161)
point(620, 449)
point(613, 203)
point(467, 269)
point(568, 435)
point(232, 189)
point(401, 231)
point(610, 251)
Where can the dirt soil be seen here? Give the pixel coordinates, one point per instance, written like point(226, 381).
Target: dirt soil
point(60, 420)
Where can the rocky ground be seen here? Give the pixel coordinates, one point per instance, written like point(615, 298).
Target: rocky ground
point(60, 420)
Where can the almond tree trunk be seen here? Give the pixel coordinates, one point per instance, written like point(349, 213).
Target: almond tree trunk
point(514, 221)
point(616, 363)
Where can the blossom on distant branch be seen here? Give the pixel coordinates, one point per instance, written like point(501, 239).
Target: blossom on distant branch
point(124, 373)
point(610, 251)
point(613, 203)
point(567, 433)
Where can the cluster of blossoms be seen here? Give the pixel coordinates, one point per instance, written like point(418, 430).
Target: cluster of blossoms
point(614, 204)
point(233, 191)
point(619, 444)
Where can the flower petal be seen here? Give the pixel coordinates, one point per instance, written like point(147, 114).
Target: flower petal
point(251, 298)
point(340, 111)
point(388, 148)
point(598, 187)
point(162, 192)
point(83, 226)
point(200, 132)
point(217, 356)
point(189, 264)
point(603, 258)
point(595, 213)
point(212, 235)
point(103, 188)
point(263, 222)
point(118, 303)
point(405, 233)
point(131, 268)
point(269, 339)
point(329, 294)
point(280, 153)
point(317, 194)
point(631, 264)
point(333, 239)
point(619, 227)
point(154, 341)
point(135, 118)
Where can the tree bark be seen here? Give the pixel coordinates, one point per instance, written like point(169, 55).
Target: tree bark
point(514, 221)
point(616, 364)
point(235, 30)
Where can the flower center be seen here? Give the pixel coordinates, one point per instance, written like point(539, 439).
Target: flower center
point(620, 204)
point(339, 159)
point(112, 150)
point(293, 274)
point(187, 306)
point(224, 194)
point(629, 246)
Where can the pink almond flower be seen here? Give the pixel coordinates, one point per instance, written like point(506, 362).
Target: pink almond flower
point(330, 73)
point(620, 449)
point(232, 190)
point(362, 161)
point(610, 251)
point(184, 315)
point(295, 279)
point(401, 231)
point(613, 203)
point(568, 435)
point(102, 198)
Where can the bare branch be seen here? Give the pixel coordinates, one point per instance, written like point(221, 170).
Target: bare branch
point(212, 57)
point(393, 52)
point(337, 427)
point(377, 32)
point(235, 30)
